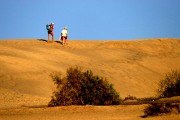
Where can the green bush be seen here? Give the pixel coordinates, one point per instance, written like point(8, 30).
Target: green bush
point(82, 88)
point(157, 108)
point(170, 85)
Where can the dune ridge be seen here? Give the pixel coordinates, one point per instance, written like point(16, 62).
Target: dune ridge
point(134, 67)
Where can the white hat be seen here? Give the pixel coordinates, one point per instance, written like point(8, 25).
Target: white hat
point(52, 23)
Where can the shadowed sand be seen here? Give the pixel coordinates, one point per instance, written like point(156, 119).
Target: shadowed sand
point(134, 67)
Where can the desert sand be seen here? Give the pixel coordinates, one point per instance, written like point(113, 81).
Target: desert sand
point(134, 67)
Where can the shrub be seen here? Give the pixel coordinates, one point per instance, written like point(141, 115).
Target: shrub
point(170, 85)
point(82, 88)
point(156, 109)
point(160, 108)
point(130, 97)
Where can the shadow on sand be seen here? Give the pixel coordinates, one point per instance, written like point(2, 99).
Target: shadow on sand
point(50, 41)
point(42, 40)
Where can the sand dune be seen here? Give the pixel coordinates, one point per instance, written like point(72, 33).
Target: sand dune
point(82, 113)
point(135, 67)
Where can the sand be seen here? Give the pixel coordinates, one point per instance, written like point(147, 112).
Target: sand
point(134, 67)
point(82, 113)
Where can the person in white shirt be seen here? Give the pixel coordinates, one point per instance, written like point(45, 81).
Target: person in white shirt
point(64, 35)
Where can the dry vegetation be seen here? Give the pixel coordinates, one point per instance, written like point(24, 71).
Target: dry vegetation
point(169, 86)
point(82, 88)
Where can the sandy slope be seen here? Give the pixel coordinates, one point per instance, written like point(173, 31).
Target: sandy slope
point(82, 113)
point(134, 67)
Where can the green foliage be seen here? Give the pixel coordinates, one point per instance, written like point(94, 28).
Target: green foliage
point(83, 88)
point(156, 109)
point(170, 85)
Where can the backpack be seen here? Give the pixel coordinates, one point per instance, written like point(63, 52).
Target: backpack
point(47, 27)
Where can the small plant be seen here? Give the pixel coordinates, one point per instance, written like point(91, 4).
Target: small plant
point(170, 85)
point(83, 88)
point(130, 97)
point(156, 109)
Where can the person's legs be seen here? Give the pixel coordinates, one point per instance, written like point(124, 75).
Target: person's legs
point(62, 39)
point(52, 34)
point(48, 37)
point(65, 42)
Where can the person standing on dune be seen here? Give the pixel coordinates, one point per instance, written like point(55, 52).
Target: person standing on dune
point(50, 31)
point(64, 36)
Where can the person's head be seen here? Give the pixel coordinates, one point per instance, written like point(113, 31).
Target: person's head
point(52, 24)
point(65, 28)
